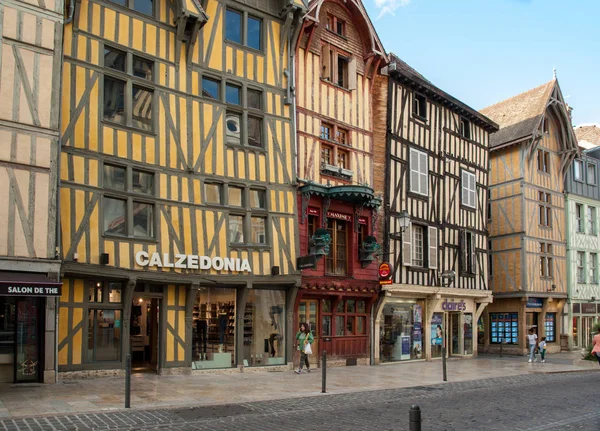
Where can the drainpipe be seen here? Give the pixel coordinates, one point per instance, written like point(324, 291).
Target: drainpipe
point(71, 12)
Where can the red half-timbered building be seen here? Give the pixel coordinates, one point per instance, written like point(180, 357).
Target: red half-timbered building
point(339, 59)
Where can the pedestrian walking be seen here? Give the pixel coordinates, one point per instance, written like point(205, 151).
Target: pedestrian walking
point(532, 337)
point(304, 339)
point(596, 344)
point(542, 349)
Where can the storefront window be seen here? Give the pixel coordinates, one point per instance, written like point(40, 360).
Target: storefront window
point(213, 331)
point(437, 334)
point(468, 333)
point(7, 325)
point(104, 335)
point(550, 326)
point(350, 317)
point(339, 325)
point(264, 328)
point(401, 331)
point(504, 328)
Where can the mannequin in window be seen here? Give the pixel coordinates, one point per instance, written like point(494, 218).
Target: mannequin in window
point(276, 314)
point(223, 320)
point(202, 331)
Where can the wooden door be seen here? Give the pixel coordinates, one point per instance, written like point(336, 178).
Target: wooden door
point(308, 312)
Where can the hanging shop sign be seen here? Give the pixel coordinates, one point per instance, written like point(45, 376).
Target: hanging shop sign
point(385, 273)
point(339, 216)
point(454, 306)
point(362, 220)
point(313, 211)
point(192, 261)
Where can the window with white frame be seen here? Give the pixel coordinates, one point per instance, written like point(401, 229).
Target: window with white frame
point(591, 174)
point(592, 268)
point(580, 267)
point(579, 218)
point(546, 262)
point(578, 170)
point(419, 172)
point(469, 189)
point(545, 210)
point(417, 246)
point(591, 220)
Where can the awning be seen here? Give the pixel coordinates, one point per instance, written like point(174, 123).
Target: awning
point(356, 194)
point(28, 284)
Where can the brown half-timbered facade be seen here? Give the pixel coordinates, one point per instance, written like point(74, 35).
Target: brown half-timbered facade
point(339, 61)
point(178, 206)
point(528, 275)
point(436, 179)
point(30, 67)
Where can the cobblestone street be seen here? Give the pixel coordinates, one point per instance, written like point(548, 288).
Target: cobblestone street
point(563, 401)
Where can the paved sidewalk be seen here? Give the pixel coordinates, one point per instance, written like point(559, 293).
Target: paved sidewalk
point(150, 391)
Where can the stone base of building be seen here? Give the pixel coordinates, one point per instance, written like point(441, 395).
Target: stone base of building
point(89, 374)
point(49, 377)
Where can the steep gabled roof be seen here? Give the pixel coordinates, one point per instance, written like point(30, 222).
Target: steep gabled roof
point(376, 47)
point(399, 69)
point(588, 133)
point(520, 115)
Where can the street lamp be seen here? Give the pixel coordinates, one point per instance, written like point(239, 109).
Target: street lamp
point(404, 219)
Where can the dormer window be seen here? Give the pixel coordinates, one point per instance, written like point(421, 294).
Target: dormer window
point(420, 106)
point(336, 25)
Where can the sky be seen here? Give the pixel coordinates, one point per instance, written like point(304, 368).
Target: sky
point(485, 51)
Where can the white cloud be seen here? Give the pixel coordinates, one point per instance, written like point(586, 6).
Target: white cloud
point(389, 6)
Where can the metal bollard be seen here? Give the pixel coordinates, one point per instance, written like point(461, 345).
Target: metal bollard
point(444, 364)
point(128, 381)
point(414, 418)
point(324, 372)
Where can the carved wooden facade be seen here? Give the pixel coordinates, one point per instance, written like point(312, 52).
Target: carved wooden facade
point(530, 156)
point(201, 137)
point(339, 59)
point(437, 176)
point(30, 67)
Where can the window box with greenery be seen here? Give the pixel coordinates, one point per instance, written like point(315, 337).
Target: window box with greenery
point(248, 216)
point(128, 89)
point(128, 203)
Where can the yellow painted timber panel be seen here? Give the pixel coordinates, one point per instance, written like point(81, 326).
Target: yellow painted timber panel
point(96, 10)
point(136, 141)
point(123, 29)
point(110, 18)
point(107, 140)
point(251, 59)
point(239, 63)
point(138, 34)
point(252, 166)
point(150, 42)
point(122, 143)
point(81, 47)
point(260, 65)
point(150, 149)
point(83, 16)
point(109, 247)
point(241, 156)
point(92, 138)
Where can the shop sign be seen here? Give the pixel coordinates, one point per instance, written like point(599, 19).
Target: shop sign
point(339, 216)
point(192, 261)
point(385, 273)
point(29, 289)
point(313, 211)
point(454, 306)
point(588, 308)
point(362, 220)
point(535, 303)
point(306, 262)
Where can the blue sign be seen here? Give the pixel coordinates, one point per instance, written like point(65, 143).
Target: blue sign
point(406, 345)
point(535, 303)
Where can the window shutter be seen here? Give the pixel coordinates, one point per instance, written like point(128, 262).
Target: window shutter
point(463, 251)
point(424, 174)
point(414, 171)
point(352, 74)
point(473, 188)
point(407, 246)
point(325, 62)
point(473, 256)
point(465, 188)
point(433, 247)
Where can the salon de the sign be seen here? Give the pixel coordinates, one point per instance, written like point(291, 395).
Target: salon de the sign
point(192, 261)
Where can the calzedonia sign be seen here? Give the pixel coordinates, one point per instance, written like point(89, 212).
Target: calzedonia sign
point(192, 261)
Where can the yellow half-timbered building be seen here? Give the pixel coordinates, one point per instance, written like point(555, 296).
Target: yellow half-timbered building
point(30, 64)
point(178, 228)
point(529, 158)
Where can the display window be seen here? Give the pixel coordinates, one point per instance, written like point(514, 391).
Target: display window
point(104, 321)
point(264, 328)
point(504, 328)
point(550, 327)
point(401, 331)
point(213, 329)
point(468, 333)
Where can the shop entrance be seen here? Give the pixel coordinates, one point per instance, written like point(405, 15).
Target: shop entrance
point(531, 321)
point(587, 325)
point(454, 334)
point(144, 335)
point(308, 311)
